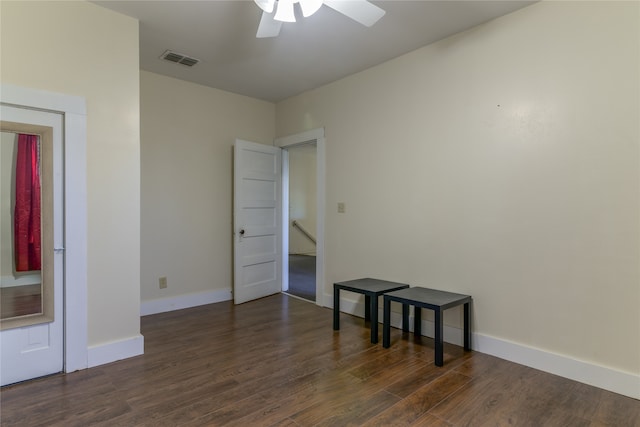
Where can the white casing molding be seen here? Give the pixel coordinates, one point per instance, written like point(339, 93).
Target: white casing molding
point(316, 135)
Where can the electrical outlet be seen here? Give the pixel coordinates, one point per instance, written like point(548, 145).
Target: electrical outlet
point(341, 207)
point(162, 282)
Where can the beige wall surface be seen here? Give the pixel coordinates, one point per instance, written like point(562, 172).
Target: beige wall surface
point(188, 133)
point(80, 49)
point(502, 162)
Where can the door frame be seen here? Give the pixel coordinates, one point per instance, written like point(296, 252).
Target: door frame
point(73, 110)
point(317, 136)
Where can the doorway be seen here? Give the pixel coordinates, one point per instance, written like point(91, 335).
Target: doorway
point(303, 184)
point(302, 189)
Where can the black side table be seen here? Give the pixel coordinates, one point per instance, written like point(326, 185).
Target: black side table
point(435, 300)
point(372, 289)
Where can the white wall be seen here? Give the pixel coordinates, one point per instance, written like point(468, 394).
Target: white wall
point(302, 197)
point(188, 133)
point(502, 162)
point(80, 49)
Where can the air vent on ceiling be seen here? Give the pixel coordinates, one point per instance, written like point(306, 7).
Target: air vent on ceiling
point(179, 58)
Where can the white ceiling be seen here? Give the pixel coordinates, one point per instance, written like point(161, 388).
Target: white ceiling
point(307, 54)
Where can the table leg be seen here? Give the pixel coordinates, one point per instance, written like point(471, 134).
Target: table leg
point(386, 325)
point(336, 308)
point(405, 317)
point(439, 344)
point(467, 328)
point(374, 319)
point(367, 308)
point(417, 321)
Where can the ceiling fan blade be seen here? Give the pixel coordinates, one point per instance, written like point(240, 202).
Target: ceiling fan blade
point(359, 10)
point(268, 26)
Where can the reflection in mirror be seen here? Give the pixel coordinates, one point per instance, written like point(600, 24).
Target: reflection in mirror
point(20, 223)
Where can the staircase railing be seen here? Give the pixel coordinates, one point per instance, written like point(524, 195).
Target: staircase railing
point(299, 226)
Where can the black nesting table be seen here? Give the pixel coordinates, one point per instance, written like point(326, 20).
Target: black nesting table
point(435, 300)
point(372, 289)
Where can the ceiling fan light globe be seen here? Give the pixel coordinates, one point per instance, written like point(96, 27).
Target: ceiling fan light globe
point(284, 11)
point(266, 5)
point(309, 7)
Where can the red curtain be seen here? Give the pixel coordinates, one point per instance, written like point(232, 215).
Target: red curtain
point(27, 210)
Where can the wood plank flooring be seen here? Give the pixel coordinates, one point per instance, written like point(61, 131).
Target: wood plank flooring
point(277, 362)
point(20, 301)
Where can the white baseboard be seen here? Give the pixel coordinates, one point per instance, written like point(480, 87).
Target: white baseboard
point(134, 346)
point(625, 383)
point(451, 334)
point(21, 280)
point(116, 350)
point(183, 301)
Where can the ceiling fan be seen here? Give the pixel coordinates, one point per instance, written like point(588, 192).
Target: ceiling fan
point(275, 12)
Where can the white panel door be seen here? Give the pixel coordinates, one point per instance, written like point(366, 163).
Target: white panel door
point(33, 351)
point(257, 221)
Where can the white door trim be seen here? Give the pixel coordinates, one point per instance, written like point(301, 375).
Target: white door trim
point(316, 135)
point(73, 109)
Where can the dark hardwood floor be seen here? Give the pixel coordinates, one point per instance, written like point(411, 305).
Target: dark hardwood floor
point(277, 362)
point(20, 301)
point(302, 276)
